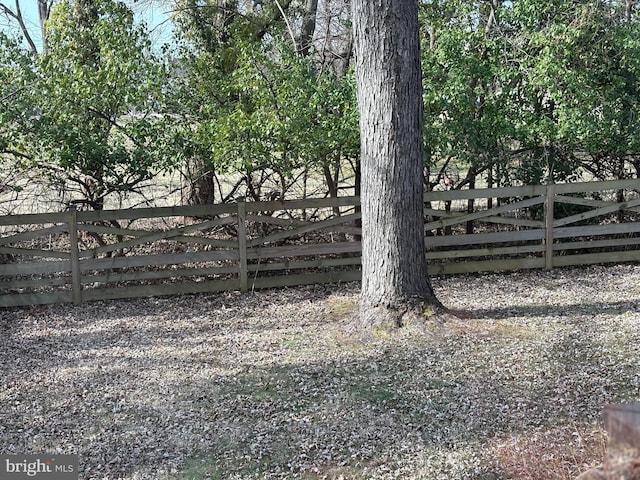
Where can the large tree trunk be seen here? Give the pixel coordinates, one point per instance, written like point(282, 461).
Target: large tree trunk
point(199, 183)
point(395, 285)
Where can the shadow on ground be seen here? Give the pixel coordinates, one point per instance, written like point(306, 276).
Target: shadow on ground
point(266, 386)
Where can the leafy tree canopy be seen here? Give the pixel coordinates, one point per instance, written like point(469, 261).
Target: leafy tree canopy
point(86, 110)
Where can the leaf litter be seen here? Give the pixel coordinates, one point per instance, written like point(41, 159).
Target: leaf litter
point(267, 385)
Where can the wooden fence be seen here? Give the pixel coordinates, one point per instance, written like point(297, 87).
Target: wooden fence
point(82, 256)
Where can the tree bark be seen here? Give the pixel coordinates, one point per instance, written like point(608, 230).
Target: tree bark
point(308, 27)
point(396, 289)
point(44, 10)
point(199, 183)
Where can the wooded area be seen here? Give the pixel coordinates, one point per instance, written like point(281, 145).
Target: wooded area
point(82, 256)
point(519, 92)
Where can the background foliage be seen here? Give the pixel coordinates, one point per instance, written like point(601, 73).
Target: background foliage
point(262, 93)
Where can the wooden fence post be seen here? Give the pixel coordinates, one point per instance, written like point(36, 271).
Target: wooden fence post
point(622, 423)
point(548, 225)
point(76, 284)
point(242, 246)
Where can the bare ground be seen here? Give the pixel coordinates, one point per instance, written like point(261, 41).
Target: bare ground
point(268, 385)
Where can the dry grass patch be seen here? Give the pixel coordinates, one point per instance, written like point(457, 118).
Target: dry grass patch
point(341, 308)
point(550, 453)
point(502, 329)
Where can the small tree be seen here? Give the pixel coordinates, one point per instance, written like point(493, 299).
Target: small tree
point(17, 111)
point(101, 87)
point(464, 91)
point(17, 96)
point(259, 100)
point(395, 285)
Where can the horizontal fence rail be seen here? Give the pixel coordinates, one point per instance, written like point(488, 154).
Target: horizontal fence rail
point(79, 256)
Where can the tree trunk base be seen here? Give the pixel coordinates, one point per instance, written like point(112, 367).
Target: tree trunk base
point(414, 317)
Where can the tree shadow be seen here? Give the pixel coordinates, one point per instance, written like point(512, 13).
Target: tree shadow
point(532, 311)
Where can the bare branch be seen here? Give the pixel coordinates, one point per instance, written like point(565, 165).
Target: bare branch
point(17, 15)
point(286, 20)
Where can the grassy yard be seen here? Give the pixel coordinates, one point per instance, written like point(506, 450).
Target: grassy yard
point(268, 386)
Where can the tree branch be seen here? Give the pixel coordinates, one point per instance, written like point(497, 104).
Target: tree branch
point(17, 15)
point(286, 20)
point(16, 154)
point(9, 95)
point(115, 124)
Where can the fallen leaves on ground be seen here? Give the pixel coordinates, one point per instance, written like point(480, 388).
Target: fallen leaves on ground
point(268, 386)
